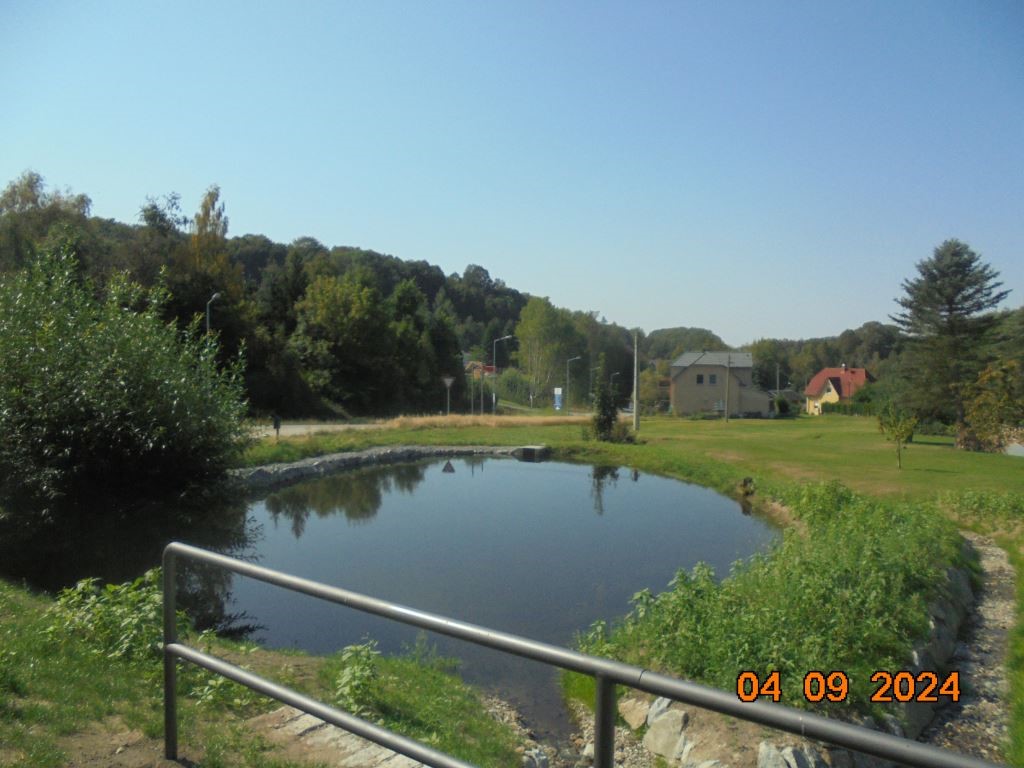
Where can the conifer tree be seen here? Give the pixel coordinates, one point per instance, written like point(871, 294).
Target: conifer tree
point(948, 320)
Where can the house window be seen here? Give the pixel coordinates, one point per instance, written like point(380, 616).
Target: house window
point(700, 378)
point(713, 378)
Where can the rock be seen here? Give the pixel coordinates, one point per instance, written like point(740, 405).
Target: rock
point(709, 764)
point(662, 737)
point(588, 751)
point(768, 756)
point(535, 758)
point(814, 757)
point(634, 712)
point(658, 708)
point(795, 758)
point(682, 749)
point(840, 758)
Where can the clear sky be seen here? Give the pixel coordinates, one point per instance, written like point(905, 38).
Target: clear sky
point(762, 169)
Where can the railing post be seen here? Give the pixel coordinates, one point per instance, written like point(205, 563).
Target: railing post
point(604, 723)
point(170, 663)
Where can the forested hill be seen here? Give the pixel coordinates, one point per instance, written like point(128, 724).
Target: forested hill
point(343, 330)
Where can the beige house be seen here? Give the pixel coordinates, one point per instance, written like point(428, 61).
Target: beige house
point(713, 382)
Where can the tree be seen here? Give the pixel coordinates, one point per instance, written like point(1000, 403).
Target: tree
point(898, 426)
point(995, 406)
point(546, 339)
point(947, 317)
point(606, 413)
point(102, 397)
point(344, 340)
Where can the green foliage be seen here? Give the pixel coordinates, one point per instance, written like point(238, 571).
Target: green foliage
point(670, 343)
point(947, 315)
point(995, 406)
point(417, 695)
point(118, 621)
point(898, 427)
point(353, 684)
point(124, 622)
point(606, 413)
point(850, 595)
point(100, 395)
point(850, 408)
point(547, 339)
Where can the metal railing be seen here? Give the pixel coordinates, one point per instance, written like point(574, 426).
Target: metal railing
point(606, 673)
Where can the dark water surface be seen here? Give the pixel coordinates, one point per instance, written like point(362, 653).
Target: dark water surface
point(540, 550)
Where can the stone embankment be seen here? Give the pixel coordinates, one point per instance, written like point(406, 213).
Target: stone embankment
point(272, 476)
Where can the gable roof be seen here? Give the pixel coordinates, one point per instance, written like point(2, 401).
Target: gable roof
point(731, 359)
point(845, 381)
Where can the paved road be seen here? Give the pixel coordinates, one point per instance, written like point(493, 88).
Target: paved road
point(291, 430)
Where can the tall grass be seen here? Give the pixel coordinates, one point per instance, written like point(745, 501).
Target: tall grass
point(851, 594)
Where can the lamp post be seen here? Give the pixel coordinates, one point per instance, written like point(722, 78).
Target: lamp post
point(494, 362)
point(212, 299)
point(568, 409)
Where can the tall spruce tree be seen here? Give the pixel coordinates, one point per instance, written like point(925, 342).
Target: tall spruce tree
point(948, 320)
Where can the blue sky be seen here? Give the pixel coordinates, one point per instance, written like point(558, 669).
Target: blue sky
point(760, 169)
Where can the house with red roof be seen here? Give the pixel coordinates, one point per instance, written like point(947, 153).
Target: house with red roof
point(833, 385)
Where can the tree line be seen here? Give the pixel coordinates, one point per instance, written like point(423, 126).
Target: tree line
point(348, 331)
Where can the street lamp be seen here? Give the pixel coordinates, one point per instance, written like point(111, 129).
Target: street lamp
point(494, 362)
point(570, 360)
point(212, 299)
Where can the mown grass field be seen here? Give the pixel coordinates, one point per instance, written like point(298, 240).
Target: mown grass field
point(845, 448)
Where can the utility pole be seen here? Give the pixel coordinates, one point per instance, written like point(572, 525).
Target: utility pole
point(636, 382)
point(728, 369)
point(568, 409)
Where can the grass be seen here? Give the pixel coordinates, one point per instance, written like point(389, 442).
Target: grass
point(91, 657)
point(844, 448)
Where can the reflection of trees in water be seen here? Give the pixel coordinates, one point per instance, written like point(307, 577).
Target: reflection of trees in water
point(358, 495)
point(599, 478)
point(116, 540)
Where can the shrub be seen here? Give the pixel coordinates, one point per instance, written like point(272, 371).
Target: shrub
point(119, 621)
point(98, 393)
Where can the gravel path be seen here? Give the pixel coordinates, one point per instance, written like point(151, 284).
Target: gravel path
point(978, 724)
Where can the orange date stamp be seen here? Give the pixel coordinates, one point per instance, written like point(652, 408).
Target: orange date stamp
point(834, 686)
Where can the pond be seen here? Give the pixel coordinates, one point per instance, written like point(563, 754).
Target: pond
point(540, 550)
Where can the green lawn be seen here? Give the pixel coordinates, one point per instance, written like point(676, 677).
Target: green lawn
point(845, 448)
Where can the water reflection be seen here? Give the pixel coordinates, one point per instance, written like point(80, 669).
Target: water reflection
point(357, 495)
point(117, 540)
point(599, 478)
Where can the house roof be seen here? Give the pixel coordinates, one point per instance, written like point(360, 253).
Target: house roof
point(732, 359)
point(845, 381)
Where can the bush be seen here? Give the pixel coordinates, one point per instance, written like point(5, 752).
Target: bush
point(99, 394)
point(118, 621)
